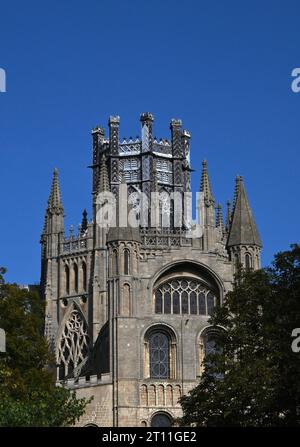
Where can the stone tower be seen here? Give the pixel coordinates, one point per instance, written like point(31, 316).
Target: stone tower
point(128, 298)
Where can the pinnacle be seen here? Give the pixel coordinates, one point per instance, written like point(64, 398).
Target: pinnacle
point(54, 201)
point(205, 186)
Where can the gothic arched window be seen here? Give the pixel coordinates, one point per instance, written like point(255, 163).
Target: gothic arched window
point(73, 347)
point(159, 355)
point(185, 296)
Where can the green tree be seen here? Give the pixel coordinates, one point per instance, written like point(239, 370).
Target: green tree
point(260, 373)
point(28, 395)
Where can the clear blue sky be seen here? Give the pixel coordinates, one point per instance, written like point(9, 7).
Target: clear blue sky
point(224, 68)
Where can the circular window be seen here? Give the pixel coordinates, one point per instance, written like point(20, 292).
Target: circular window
point(161, 420)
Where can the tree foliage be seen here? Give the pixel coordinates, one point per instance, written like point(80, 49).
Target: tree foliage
point(260, 373)
point(28, 395)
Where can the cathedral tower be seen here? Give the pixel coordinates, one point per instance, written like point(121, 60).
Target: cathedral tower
point(129, 298)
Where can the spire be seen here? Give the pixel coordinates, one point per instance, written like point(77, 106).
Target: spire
point(243, 230)
point(219, 220)
point(54, 201)
point(54, 216)
point(103, 182)
point(205, 183)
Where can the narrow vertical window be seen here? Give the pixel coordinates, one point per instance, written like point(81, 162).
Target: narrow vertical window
point(84, 276)
point(126, 261)
point(75, 277)
point(67, 279)
point(248, 262)
point(115, 269)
